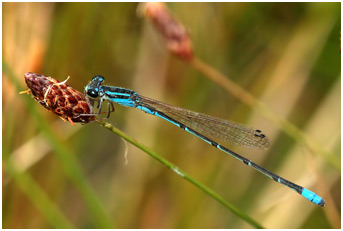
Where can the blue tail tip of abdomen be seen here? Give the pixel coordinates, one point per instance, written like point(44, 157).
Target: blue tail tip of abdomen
point(311, 196)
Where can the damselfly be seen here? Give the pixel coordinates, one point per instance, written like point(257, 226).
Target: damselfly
point(200, 125)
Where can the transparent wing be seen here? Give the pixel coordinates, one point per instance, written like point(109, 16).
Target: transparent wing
point(216, 128)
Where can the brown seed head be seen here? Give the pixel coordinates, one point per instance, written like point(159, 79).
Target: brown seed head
point(174, 33)
point(59, 98)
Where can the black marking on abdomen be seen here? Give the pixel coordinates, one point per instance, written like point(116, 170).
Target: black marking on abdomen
point(215, 144)
point(247, 162)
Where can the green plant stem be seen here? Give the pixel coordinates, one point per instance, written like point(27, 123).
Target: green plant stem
point(71, 166)
point(253, 102)
point(181, 173)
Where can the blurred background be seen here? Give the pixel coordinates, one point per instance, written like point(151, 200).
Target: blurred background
point(285, 54)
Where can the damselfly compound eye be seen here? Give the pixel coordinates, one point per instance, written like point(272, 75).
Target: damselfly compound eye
point(92, 93)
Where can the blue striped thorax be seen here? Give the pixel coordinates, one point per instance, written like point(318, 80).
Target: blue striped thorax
point(119, 95)
point(122, 96)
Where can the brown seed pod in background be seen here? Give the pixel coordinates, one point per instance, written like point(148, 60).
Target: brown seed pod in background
point(59, 98)
point(177, 39)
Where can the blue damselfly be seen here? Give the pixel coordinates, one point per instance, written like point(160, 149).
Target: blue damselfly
point(200, 125)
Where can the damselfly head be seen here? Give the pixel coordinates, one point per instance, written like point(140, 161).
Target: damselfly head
point(98, 79)
point(93, 88)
